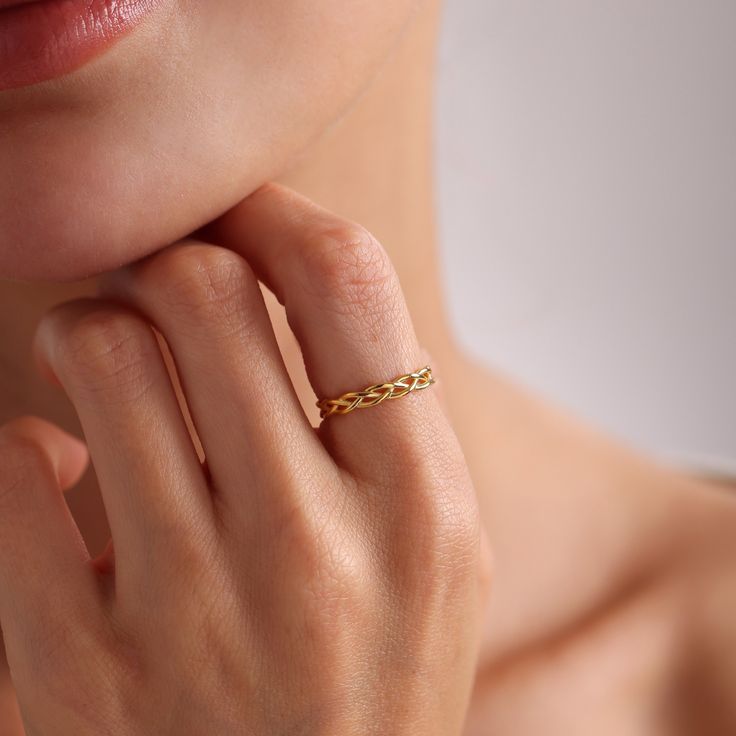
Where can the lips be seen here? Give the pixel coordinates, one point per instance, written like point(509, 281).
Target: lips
point(13, 3)
point(45, 39)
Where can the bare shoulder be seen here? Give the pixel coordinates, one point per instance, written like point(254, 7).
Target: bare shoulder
point(704, 686)
point(657, 658)
point(615, 579)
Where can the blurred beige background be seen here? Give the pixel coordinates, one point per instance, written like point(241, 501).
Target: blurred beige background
point(587, 191)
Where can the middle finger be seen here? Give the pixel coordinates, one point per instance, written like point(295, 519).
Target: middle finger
point(207, 303)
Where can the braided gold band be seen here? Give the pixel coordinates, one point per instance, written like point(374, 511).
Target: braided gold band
point(374, 395)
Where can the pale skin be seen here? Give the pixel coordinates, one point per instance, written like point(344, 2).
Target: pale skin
point(606, 609)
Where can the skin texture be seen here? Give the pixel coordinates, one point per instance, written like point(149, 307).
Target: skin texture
point(316, 585)
point(610, 609)
point(216, 97)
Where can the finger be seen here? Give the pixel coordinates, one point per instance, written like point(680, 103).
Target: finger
point(68, 454)
point(44, 570)
point(151, 481)
point(208, 304)
point(344, 302)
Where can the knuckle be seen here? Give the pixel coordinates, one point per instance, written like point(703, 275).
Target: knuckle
point(331, 570)
point(190, 545)
point(456, 528)
point(446, 521)
point(207, 283)
point(109, 352)
point(350, 268)
point(335, 591)
point(68, 659)
point(450, 530)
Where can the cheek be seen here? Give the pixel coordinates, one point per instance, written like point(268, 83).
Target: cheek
point(175, 125)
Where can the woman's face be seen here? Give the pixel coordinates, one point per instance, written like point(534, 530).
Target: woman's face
point(165, 129)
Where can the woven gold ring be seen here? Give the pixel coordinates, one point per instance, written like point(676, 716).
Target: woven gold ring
point(374, 395)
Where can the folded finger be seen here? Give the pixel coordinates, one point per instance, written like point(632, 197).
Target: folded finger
point(109, 364)
point(344, 302)
point(207, 303)
point(68, 454)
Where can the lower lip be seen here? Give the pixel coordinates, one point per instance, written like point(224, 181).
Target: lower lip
point(45, 39)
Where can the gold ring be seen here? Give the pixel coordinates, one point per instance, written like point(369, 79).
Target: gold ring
point(374, 395)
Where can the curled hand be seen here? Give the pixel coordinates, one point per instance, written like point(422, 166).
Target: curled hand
point(300, 581)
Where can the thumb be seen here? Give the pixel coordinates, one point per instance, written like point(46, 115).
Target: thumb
point(68, 455)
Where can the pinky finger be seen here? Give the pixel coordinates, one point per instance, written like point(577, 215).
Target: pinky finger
point(45, 577)
point(68, 455)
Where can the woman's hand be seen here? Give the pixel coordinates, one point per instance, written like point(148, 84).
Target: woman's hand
point(299, 581)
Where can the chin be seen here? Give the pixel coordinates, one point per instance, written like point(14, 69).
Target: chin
point(72, 232)
point(73, 241)
point(159, 135)
point(80, 196)
point(71, 227)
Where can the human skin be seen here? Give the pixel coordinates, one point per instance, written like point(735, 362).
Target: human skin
point(611, 592)
point(216, 97)
point(341, 607)
point(299, 582)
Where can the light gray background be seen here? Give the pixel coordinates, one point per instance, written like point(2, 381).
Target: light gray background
point(587, 192)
